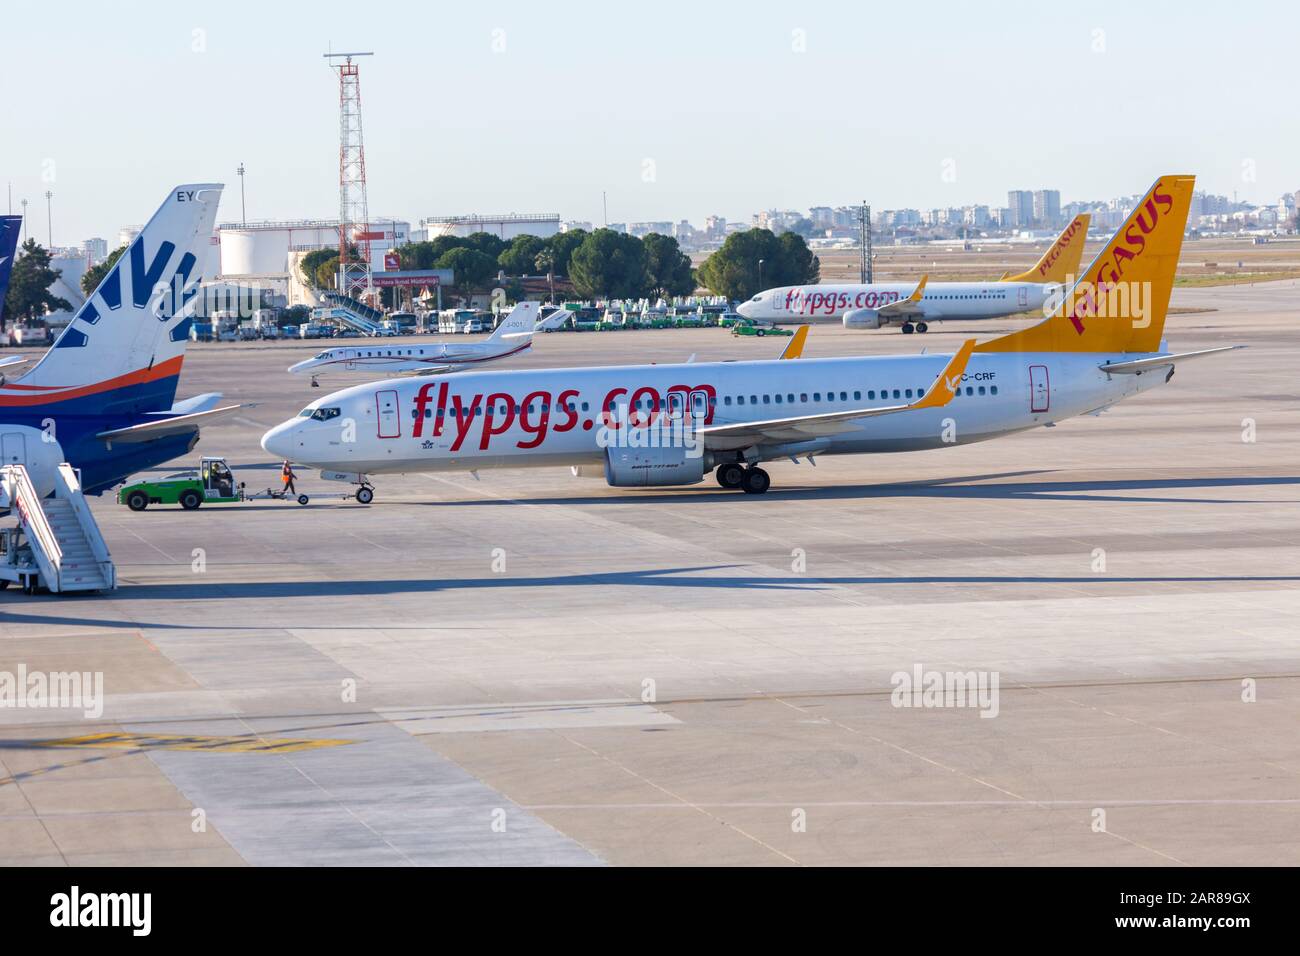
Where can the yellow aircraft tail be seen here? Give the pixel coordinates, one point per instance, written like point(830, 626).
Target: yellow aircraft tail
point(1119, 303)
point(1061, 261)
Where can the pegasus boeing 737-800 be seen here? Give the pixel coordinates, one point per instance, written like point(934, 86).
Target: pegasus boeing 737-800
point(662, 425)
point(913, 305)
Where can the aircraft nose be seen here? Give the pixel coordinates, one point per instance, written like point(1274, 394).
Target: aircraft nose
point(745, 308)
point(279, 440)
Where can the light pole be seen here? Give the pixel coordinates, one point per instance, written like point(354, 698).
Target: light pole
point(760, 274)
point(49, 216)
point(24, 205)
point(243, 212)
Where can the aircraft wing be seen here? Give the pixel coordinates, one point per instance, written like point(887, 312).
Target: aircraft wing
point(906, 308)
point(199, 403)
point(795, 348)
point(1138, 366)
point(804, 427)
point(13, 360)
point(176, 425)
point(430, 370)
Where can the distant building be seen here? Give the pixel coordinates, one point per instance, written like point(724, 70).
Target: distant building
point(504, 227)
point(1047, 207)
point(1020, 204)
point(96, 250)
point(126, 235)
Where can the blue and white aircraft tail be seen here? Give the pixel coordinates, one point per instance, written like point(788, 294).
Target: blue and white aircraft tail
point(103, 397)
point(10, 229)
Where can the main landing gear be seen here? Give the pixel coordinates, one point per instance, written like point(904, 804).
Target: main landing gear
point(751, 480)
point(909, 328)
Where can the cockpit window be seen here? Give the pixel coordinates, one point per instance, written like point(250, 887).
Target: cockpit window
point(319, 414)
point(323, 355)
point(757, 298)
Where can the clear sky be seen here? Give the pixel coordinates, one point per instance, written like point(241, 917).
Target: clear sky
point(677, 110)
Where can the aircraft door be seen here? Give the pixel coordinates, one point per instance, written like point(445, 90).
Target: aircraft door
point(13, 449)
point(1040, 397)
point(1023, 298)
point(350, 359)
point(390, 425)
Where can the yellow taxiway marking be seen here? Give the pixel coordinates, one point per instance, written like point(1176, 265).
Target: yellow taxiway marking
point(241, 745)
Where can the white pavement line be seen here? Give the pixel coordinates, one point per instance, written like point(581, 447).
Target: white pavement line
point(682, 801)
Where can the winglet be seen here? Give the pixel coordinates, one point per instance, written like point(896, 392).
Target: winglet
point(920, 289)
point(945, 386)
point(795, 347)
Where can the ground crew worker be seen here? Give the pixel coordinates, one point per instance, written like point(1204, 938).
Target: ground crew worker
point(287, 475)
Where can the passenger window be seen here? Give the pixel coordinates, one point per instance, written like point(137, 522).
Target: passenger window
point(778, 399)
point(740, 399)
point(727, 400)
point(857, 396)
point(993, 389)
point(981, 389)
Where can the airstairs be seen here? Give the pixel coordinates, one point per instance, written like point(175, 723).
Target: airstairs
point(350, 312)
point(57, 544)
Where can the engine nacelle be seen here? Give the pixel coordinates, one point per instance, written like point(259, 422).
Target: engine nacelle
point(34, 448)
point(862, 319)
point(653, 467)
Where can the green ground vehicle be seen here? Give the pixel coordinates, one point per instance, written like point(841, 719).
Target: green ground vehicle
point(212, 483)
point(743, 326)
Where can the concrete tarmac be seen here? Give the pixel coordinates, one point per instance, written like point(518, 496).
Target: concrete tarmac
point(532, 668)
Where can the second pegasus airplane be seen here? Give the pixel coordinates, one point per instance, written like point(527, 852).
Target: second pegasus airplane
point(661, 425)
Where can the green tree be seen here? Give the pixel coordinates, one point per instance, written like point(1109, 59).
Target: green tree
point(485, 243)
point(93, 276)
point(520, 257)
point(327, 270)
point(560, 247)
point(29, 294)
point(309, 265)
point(471, 269)
point(609, 265)
point(668, 269)
point(734, 270)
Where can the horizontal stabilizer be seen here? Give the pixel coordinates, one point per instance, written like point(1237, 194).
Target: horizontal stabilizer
point(176, 425)
point(1137, 366)
point(199, 403)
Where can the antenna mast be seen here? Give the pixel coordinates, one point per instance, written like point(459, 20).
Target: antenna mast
point(354, 212)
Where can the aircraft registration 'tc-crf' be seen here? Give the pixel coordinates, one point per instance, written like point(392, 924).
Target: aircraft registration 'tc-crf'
point(914, 305)
point(660, 425)
point(513, 336)
point(103, 397)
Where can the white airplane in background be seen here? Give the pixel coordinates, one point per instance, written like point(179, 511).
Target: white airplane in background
point(513, 336)
point(914, 305)
point(662, 425)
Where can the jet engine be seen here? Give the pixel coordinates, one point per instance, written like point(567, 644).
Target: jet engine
point(862, 319)
point(651, 467)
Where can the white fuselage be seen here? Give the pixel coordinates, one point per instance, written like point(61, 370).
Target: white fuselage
point(504, 419)
point(400, 359)
point(941, 300)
